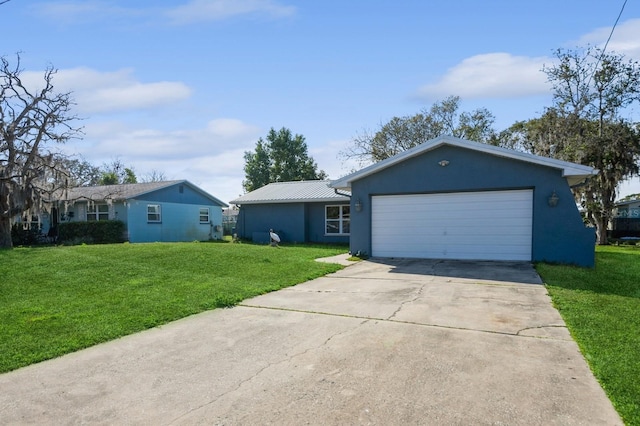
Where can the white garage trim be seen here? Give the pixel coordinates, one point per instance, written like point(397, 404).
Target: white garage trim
point(491, 225)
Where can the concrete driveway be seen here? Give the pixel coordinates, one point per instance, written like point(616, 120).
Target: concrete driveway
point(380, 342)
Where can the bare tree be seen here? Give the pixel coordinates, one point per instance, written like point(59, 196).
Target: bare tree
point(154, 176)
point(32, 122)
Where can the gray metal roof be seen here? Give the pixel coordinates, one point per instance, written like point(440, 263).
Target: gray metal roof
point(292, 192)
point(574, 173)
point(124, 191)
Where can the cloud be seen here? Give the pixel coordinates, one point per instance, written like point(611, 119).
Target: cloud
point(491, 75)
point(625, 38)
point(99, 92)
point(211, 156)
point(79, 11)
point(215, 10)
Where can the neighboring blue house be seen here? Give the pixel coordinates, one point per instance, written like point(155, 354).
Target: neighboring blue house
point(155, 211)
point(450, 198)
point(626, 219)
point(304, 211)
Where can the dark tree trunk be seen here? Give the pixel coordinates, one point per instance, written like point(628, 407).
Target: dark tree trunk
point(5, 233)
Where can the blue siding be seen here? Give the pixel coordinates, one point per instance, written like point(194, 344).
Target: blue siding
point(287, 220)
point(559, 234)
point(293, 222)
point(181, 193)
point(180, 222)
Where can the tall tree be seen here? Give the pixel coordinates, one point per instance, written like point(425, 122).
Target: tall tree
point(282, 157)
point(32, 122)
point(402, 133)
point(586, 125)
point(116, 173)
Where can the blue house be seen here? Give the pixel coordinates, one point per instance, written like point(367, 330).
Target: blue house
point(304, 211)
point(450, 198)
point(154, 211)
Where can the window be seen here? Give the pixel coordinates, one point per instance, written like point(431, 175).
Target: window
point(97, 212)
point(337, 220)
point(204, 215)
point(153, 213)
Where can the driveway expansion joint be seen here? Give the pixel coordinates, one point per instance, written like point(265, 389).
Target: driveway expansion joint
point(395, 321)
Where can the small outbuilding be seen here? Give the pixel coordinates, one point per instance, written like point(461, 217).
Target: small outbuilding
point(450, 198)
point(302, 212)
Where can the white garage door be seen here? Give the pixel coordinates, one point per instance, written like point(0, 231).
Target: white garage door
point(494, 225)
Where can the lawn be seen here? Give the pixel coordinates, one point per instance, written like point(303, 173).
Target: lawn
point(601, 307)
point(56, 300)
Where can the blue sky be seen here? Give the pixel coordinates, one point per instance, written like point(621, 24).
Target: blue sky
point(186, 86)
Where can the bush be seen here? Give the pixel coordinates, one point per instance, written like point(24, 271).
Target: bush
point(24, 237)
point(92, 232)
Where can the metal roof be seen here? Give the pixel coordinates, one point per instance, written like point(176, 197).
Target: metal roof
point(124, 191)
point(292, 192)
point(574, 173)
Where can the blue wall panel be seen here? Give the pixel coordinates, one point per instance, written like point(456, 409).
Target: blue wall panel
point(181, 193)
point(287, 220)
point(293, 222)
point(180, 222)
point(559, 234)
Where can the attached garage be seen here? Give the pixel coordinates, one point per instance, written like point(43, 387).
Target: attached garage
point(451, 198)
point(487, 225)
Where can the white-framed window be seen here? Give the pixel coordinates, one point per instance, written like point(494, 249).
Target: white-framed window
point(337, 220)
point(204, 214)
point(98, 212)
point(31, 222)
point(154, 214)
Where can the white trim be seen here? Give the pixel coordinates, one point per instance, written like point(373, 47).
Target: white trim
point(341, 220)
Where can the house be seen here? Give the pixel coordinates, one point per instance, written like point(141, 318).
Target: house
point(450, 198)
point(626, 219)
point(304, 211)
point(155, 211)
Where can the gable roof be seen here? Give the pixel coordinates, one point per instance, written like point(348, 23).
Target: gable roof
point(292, 192)
point(574, 173)
point(125, 191)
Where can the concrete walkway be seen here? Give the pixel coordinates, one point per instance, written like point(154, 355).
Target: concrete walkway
point(379, 343)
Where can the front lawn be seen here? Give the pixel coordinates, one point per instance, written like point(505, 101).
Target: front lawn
point(601, 307)
point(56, 300)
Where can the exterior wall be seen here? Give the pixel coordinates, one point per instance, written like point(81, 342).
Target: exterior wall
point(180, 194)
point(559, 234)
point(286, 220)
point(293, 222)
point(179, 222)
point(316, 224)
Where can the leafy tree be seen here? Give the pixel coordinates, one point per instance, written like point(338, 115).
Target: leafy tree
point(402, 133)
point(80, 172)
point(281, 158)
point(31, 123)
point(586, 125)
point(116, 173)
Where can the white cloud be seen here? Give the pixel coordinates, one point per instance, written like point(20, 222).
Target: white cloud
point(214, 10)
point(211, 157)
point(625, 39)
point(491, 75)
point(79, 11)
point(96, 91)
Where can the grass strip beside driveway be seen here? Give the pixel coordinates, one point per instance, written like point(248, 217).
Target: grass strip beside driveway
point(601, 307)
point(57, 300)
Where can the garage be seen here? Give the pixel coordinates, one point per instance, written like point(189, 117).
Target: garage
point(489, 225)
point(450, 198)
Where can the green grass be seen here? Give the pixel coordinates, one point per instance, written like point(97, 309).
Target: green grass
point(601, 307)
point(57, 300)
